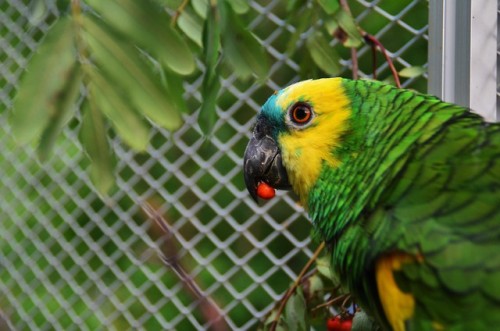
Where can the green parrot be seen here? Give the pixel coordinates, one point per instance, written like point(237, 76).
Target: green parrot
point(403, 188)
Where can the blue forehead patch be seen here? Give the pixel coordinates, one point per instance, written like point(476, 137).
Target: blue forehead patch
point(273, 113)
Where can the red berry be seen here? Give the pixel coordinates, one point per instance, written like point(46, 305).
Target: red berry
point(333, 324)
point(265, 191)
point(339, 323)
point(345, 325)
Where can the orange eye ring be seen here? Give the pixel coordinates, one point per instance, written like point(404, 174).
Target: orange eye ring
point(301, 113)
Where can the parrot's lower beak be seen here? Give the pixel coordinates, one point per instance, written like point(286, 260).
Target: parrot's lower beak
point(262, 161)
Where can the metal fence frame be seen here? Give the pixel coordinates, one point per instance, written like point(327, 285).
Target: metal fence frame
point(463, 54)
point(456, 65)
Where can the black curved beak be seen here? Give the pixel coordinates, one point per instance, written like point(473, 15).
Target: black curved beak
point(262, 161)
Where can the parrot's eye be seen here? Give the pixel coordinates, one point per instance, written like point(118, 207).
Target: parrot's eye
point(301, 113)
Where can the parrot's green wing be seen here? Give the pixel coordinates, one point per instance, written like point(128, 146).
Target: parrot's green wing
point(414, 217)
point(438, 222)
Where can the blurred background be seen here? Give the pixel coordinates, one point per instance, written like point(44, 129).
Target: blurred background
point(71, 259)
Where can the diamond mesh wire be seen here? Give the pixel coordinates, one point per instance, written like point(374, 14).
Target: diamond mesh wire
point(70, 259)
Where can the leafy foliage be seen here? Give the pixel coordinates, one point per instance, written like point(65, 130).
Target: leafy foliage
point(319, 42)
point(129, 61)
point(53, 62)
point(322, 54)
point(318, 301)
point(301, 310)
point(211, 80)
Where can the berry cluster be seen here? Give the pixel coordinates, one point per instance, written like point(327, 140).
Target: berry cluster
point(339, 323)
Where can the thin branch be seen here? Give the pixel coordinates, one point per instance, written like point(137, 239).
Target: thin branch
point(374, 60)
point(178, 12)
point(354, 51)
point(354, 60)
point(296, 283)
point(76, 12)
point(76, 8)
point(332, 301)
point(374, 41)
point(348, 297)
point(207, 307)
point(345, 6)
point(308, 275)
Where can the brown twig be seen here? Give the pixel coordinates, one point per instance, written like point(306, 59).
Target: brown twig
point(374, 60)
point(354, 51)
point(76, 13)
point(171, 259)
point(296, 283)
point(178, 12)
point(348, 297)
point(354, 60)
point(75, 7)
point(308, 275)
point(374, 41)
point(332, 301)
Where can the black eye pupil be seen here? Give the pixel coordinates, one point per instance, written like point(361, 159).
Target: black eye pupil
point(301, 114)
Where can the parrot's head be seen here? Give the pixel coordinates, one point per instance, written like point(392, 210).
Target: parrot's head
point(298, 131)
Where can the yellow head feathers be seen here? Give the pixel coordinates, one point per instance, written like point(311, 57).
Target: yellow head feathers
point(305, 148)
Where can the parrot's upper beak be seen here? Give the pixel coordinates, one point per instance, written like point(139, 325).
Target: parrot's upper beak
point(262, 160)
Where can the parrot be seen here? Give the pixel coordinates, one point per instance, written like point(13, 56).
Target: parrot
point(403, 188)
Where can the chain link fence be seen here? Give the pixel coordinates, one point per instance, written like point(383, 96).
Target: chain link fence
point(71, 260)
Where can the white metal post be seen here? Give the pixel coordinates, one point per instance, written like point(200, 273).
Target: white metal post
point(463, 53)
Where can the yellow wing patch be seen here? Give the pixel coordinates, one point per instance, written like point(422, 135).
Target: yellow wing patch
point(398, 305)
point(304, 151)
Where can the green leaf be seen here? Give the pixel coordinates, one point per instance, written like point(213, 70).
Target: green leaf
point(294, 5)
point(200, 7)
point(314, 288)
point(172, 4)
point(175, 86)
point(329, 6)
point(411, 72)
point(37, 11)
point(126, 69)
point(190, 24)
point(304, 22)
point(296, 316)
point(347, 23)
point(389, 80)
point(331, 25)
point(239, 6)
point(243, 51)
point(269, 322)
point(323, 54)
point(95, 144)
point(61, 112)
point(211, 82)
point(324, 267)
point(210, 91)
point(147, 25)
point(45, 79)
point(126, 122)
point(211, 39)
